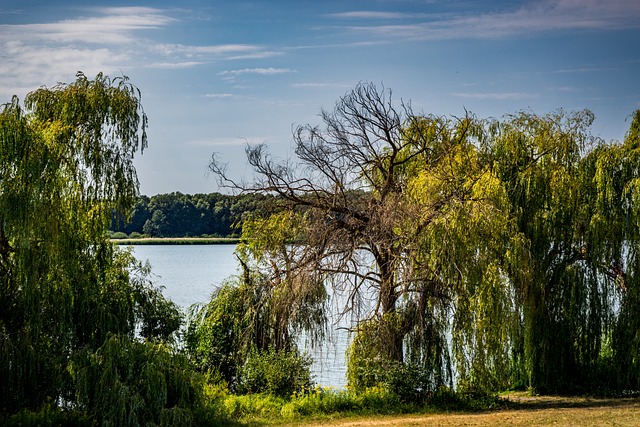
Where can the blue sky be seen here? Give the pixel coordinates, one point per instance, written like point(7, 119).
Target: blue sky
point(216, 75)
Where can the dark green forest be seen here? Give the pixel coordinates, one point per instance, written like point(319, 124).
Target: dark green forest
point(472, 255)
point(185, 215)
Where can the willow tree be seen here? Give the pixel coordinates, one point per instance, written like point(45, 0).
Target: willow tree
point(66, 164)
point(257, 318)
point(614, 247)
point(464, 246)
point(573, 199)
point(377, 186)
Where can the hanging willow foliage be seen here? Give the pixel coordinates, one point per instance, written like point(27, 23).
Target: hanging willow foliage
point(495, 253)
point(574, 200)
point(66, 164)
point(256, 319)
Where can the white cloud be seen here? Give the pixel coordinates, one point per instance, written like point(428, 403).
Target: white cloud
point(30, 66)
point(540, 16)
point(583, 70)
point(108, 29)
point(320, 85)
point(495, 95)
point(106, 39)
point(219, 95)
point(175, 65)
point(46, 53)
point(190, 50)
point(265, 71)
point(128, 10)
point(368, 14)
point(227, 141)
point(257, 55)
point(209, 53)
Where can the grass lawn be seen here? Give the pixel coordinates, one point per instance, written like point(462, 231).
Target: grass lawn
point(523, 411)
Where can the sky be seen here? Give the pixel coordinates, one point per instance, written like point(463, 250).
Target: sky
point(218, 75)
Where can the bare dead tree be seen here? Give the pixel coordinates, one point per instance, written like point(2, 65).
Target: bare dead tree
point(348, 179)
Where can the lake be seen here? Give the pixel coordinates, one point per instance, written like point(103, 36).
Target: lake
point(190, 273)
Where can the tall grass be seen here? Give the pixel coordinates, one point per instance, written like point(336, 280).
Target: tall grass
point(325, 403)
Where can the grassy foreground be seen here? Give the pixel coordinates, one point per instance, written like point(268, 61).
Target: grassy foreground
point(523, 410)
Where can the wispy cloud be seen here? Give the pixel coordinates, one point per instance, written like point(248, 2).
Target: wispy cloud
point(539, 16)
point(175, 65)
point(218, 95)
point(320, 85)
point(265, 71)
point(117, 26)
point(190, 50)
point(369, 14)
point(495, 95)
point(31, 66)
point(256, 55)
point(584, 70)
point(227, 141)
point(107, 39)
point(210, 53)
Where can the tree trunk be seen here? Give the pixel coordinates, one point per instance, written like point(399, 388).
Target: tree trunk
point(391, 329)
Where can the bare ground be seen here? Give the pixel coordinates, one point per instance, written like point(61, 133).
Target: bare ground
point(525, 411)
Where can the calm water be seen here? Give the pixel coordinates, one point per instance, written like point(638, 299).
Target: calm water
point(190, 273)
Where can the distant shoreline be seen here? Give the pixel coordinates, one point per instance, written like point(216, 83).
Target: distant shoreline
point(178, 241)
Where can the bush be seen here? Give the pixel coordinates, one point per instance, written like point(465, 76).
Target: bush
point(118, 235)
point(369, 366)
point(48, 416)
point(131, 383)
point(279, 373)
point(445, 398)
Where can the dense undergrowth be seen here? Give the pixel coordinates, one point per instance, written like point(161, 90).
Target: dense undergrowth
point(220, 407)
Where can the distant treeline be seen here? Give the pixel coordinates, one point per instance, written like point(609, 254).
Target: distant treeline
point(184, 215)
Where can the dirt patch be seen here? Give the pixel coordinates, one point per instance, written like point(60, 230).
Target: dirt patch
point(525, 411)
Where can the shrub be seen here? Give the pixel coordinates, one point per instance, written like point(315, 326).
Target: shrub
point(277, 372)
point(47, 416)
point(369, 366)
point(131, 383)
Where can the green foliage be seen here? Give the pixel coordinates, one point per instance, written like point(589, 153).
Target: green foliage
point(215, 338)
point(47, 416)
point(84, 335)
point(126, 382)
point(65, 165)
point(253, 407)
point(185, 215)
point(242, 336)
point(573, 201)
point(369, 366)
point(246, 333)
point(504, 250)
point(325, 403)
point(279, 373)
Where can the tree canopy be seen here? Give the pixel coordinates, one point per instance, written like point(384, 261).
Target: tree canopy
point(75, 313)
point(185, 215)
point(501, 250)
